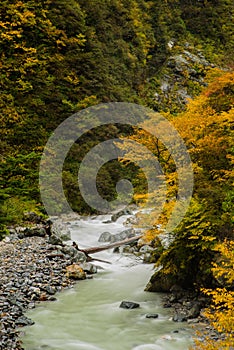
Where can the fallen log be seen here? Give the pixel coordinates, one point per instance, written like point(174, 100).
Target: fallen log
point(109, 246)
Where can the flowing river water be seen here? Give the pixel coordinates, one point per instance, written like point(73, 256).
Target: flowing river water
point(88, 317)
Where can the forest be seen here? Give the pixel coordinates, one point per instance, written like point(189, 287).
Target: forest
point(59, 57)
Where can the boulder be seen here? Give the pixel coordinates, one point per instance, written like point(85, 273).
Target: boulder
point(123, 235)
point(180, 316)
point(61, 230)
point(55, 240)
point(129, 305)
point(160, 282)
point(75, 272)
point(116, 216)
point(89, 268)
point(194, 312)
point(145, 249)
point(76, 255)
point(108, 237)
point(105, 237)
point(31, 231)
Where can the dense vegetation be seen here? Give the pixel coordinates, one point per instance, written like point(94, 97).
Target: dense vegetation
point(59, 57)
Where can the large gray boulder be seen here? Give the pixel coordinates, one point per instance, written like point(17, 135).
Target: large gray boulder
point(61, 230)
point(108, 237)
point(105, 237)
point(160, 282)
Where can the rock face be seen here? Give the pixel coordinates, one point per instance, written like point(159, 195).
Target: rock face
point(129, 305)
point(181, 78)
point(75, 272)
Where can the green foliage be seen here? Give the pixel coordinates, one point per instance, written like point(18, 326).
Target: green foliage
point(58, 57)
point(14, 208)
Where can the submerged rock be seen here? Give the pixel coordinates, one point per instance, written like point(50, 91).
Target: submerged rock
point(129, 305)
point(151, 316)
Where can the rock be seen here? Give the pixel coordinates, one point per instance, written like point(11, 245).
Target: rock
point(151, 316)
point(116, 216)
point(132, 220)
point(31, 231)
point(194, 312)
point(76, 255)
point(147, 258)
point(24, 321)
point(75, 272)
point(129, 305)
point(55, 240)
point(176, 288)
point(145, 249)
point(129, 249)
point(32, 217)
point(89, 268)
point(179, 316)
point(50, 290)
point(193, 320)
point(160, 282)
point(108, 237)
point(105, 237)
point(61, 230)
point(123, 235)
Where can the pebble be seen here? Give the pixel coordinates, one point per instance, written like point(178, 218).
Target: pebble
point(29, 273)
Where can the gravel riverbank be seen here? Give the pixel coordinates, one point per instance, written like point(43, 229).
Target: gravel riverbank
point(29, 273)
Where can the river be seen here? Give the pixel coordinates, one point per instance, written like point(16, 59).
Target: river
point(88, 317)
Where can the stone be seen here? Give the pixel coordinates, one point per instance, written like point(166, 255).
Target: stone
point(88, 268)
point(145, 249)
point(105, 237)
point(61, 230)
point(151, 316)
point(32, 231)
point(179, 316)
point(32, 217)
point(160, 282)
point(55, 240)
point(75, 272)
point(24, 321)
point(116, 216)
point(129, 305)
point(123, 235)
point(194, 312)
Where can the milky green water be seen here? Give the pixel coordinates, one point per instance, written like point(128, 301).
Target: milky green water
point(88, 316)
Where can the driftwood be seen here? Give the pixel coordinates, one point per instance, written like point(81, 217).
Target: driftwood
point(104, 247)
point(110, 245)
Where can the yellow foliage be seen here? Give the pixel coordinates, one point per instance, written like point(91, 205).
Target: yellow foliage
point(221, 312)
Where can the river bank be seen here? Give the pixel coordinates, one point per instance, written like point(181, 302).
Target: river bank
point(28, 275)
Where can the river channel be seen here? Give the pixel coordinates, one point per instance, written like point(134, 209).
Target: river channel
point(88, 316)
